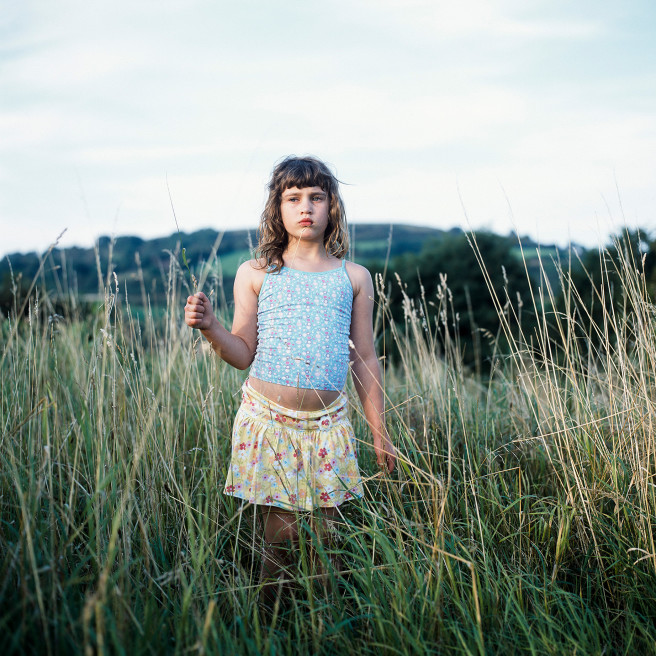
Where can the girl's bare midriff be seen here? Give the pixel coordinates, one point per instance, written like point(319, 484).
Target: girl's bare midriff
point(294, 398)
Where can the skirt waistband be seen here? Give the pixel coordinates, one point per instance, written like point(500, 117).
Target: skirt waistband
point(259, 404)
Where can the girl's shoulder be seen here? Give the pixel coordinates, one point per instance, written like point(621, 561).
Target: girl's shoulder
point(359, 276)
point(251, 273)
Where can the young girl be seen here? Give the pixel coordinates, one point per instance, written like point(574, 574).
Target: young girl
point(302, 314)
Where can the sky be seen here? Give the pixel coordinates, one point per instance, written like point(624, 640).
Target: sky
point(534, 116)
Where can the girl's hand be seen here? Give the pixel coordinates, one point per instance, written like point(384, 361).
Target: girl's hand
point(385, 452)
point(198, 312)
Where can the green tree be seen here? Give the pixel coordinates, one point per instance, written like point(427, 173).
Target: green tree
point(608, 282)
point(447, 278)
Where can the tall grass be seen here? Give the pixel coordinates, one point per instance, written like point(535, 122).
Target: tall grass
point(520, 518)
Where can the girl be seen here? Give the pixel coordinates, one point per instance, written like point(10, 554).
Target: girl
point(302, 313)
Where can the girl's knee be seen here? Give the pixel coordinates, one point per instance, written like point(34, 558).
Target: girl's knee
point(279, 525)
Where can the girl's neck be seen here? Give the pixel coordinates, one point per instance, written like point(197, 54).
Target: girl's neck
point(307, 256)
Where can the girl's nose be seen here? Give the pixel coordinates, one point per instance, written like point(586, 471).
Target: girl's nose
point(306, 206)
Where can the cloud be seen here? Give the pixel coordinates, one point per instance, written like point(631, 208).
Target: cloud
point(374, 118)
point(24, 129)
point(502, 18)
point(220, 197)
point(413, 100)
point(70, 65)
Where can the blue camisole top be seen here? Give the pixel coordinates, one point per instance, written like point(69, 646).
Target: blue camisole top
point(303, 328)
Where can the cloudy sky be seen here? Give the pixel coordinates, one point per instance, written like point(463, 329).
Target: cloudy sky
point(538, 115)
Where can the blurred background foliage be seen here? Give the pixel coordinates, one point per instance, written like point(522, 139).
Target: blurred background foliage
point(439, 270)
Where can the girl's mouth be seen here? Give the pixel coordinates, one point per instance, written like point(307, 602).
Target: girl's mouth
point(305, 223)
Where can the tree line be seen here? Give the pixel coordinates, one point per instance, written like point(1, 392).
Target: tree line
point(458, 283)
point(462, 285)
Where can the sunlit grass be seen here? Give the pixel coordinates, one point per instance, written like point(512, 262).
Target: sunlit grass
point(520, 518)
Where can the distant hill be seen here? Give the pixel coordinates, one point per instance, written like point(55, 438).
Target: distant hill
point(142, 265)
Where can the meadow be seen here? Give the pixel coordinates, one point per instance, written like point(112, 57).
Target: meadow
point(520, 519)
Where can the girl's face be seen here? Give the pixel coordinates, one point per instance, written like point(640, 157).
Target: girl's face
point(305, 212)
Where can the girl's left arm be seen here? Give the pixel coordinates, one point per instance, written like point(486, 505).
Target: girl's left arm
point(365, 368)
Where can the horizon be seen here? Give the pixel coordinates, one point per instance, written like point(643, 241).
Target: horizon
point(55, 246)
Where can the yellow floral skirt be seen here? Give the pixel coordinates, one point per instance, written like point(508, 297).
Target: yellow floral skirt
point(292, 459)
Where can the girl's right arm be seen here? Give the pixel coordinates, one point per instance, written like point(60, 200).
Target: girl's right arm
point(238, 346)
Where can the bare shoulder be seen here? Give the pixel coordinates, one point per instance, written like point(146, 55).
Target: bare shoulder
point(360, 278)
point(251, 273)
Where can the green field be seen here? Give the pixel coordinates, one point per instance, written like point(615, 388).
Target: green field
point(520, 520)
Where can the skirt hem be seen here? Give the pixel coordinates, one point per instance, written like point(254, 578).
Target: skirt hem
point(288, 507)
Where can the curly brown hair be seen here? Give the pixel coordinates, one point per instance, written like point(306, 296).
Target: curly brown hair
point(299, 172)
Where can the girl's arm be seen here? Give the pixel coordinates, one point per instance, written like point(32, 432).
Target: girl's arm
point(365, 369)
point(236, 347)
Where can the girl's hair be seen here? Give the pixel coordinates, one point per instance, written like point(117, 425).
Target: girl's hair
point(300, 172)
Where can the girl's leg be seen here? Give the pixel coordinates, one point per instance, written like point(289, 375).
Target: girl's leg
point(325, 529)
point(279, 525)
point(322, 522)
point(280, 538)
point(280, 550)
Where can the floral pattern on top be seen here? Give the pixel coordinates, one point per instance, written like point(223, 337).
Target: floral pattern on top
point(303, 328)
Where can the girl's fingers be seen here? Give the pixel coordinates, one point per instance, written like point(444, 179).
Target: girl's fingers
point(386, 461)
point(195, 307)
point(388, 464)
point(197, 300)
point(386, 457)
point(391, 462)
point(196, 310)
